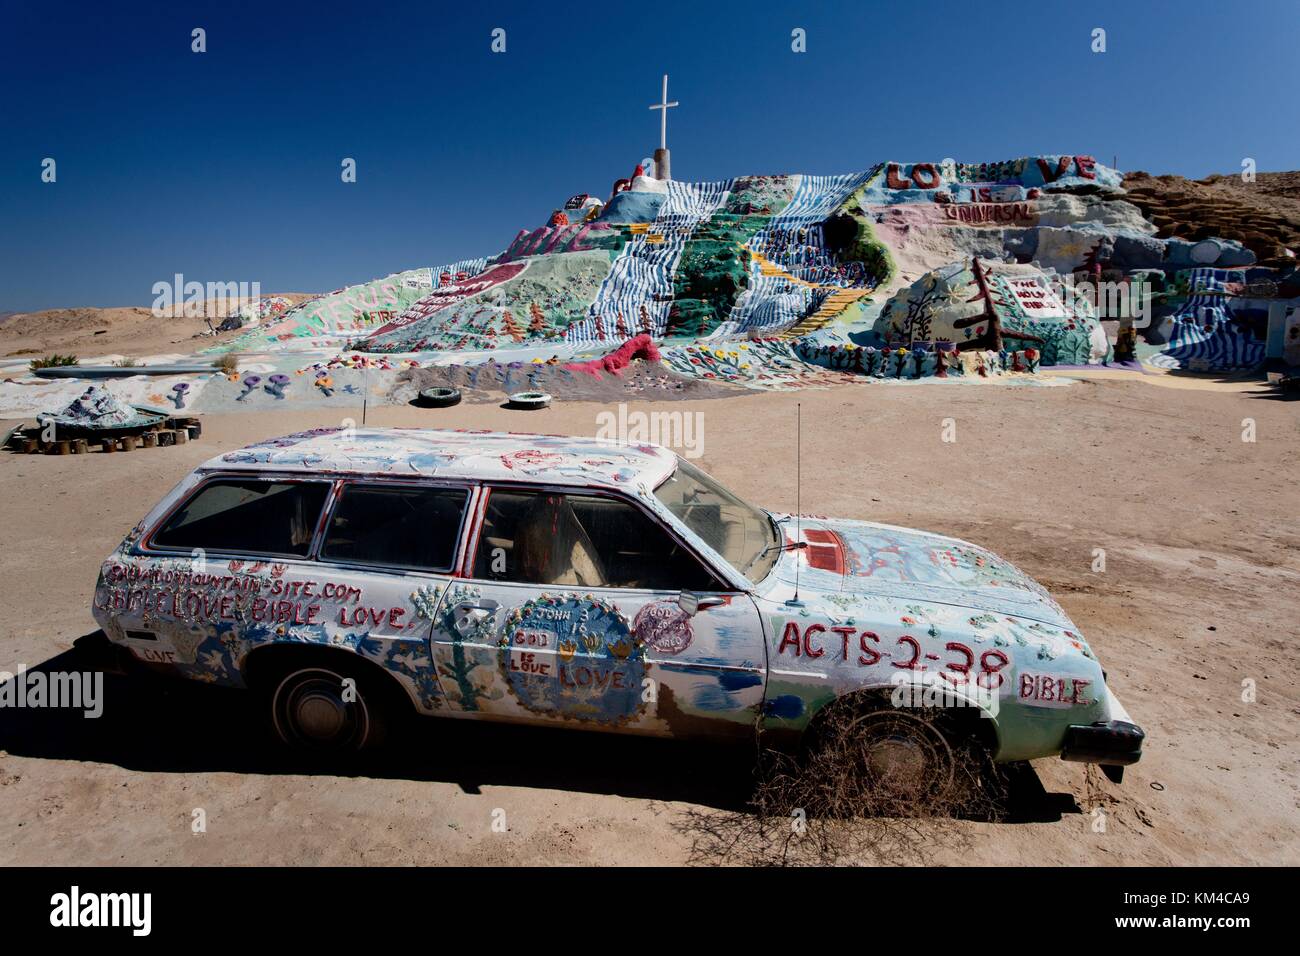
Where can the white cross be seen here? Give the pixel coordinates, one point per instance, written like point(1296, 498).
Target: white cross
point(664, 106)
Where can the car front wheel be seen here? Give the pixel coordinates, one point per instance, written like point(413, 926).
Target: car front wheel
point(901, 755)
point(874, 759)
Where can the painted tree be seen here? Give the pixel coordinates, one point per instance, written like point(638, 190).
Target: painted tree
point(621, 328)
point(646, 327)
point(989, 320)
point(989, 333)
point(916, 325)
point(511, 327)
point(538, 325)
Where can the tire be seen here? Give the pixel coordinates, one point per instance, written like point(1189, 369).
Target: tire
point(311, 710)
point(905, 760)
point(530, 401)
point(439, 397)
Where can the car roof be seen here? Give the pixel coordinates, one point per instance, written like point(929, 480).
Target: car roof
point(457, 454)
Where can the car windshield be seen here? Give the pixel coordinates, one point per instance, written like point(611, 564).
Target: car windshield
point(746, 536)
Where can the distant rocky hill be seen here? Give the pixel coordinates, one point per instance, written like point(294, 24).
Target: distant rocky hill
point(91, 330)
point(1264, 215)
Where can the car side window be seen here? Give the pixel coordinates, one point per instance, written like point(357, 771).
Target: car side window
point(398, 525)
point(247, 516)
point(549, 538)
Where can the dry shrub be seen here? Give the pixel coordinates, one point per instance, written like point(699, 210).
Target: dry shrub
point(828, 808)
point(228, 363)
point(53, 361)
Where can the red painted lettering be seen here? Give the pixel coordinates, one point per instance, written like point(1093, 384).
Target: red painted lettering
point(1049, 176)
point(925, 176)
point(845, 633)
point(789, 638)
point(808, 649)
point(869, 654)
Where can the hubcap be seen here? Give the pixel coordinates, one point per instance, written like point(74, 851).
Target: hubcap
point(904, 756)
point(320, 716)
point(309, 710)
point(899, 763)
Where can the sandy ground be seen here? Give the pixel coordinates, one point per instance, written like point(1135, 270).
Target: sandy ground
point(1199, 594)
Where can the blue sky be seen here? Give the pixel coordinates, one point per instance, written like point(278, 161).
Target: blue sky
point(225, 166)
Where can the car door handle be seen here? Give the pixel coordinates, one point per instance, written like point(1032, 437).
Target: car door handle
point(469, 616)
point(693, 603)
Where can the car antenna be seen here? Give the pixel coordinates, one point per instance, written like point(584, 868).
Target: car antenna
point(365, 391)
point(798, 497)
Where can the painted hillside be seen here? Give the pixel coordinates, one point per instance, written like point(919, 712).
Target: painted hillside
point(899, 271)
point(762, 256)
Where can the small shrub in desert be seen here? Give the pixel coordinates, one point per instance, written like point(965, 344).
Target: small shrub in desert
point(54, 361)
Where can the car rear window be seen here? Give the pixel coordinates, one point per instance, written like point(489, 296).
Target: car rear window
point(398, 525)
point(247, 516)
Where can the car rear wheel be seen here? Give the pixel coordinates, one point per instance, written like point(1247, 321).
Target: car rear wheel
point(327, 708)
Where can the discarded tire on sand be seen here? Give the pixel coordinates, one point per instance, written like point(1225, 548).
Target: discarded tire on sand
point(529, 400)
point(438, 397)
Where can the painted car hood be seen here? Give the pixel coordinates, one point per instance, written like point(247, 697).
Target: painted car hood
point(867, 558)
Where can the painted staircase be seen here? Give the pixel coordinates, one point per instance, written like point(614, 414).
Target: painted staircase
point(838, 301)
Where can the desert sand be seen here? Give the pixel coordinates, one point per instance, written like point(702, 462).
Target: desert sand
point(131, 331)
point(1199, 593)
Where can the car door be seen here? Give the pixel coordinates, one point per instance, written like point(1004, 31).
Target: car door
point(390, 547)
point(570, 611)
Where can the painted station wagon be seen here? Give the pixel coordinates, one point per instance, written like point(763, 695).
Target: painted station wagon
point(582, 583)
